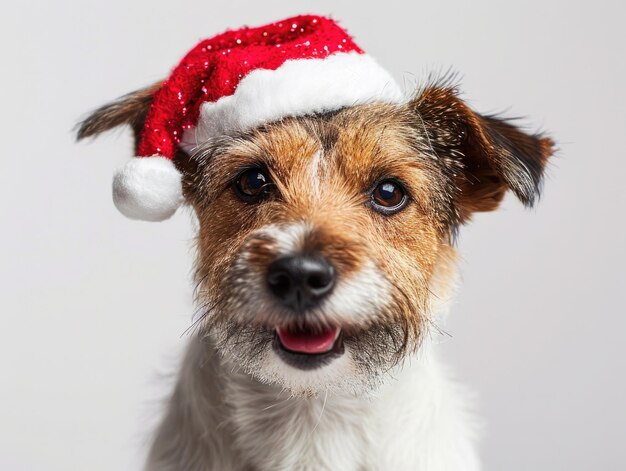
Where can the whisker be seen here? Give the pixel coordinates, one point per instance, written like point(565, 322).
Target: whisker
point(271, 406)
point(322, 412)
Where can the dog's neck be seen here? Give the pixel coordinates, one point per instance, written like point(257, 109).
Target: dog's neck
point(414, 417)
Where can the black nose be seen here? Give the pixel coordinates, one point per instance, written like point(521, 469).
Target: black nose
point(300, 281)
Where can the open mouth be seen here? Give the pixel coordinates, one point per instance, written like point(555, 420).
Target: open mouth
point(307, 349)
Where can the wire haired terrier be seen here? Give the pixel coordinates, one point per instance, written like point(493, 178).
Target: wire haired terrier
point(327, 202)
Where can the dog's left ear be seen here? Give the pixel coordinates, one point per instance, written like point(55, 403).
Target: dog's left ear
point(486, 155)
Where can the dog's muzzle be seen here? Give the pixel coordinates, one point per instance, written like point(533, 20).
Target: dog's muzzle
point(300, 283)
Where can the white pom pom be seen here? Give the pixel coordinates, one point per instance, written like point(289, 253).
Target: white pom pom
point(148, 188)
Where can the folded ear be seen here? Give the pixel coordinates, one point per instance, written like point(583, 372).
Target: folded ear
point(129, 109)
point(486, 155)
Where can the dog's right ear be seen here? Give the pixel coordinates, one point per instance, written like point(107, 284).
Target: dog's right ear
point(130, 109)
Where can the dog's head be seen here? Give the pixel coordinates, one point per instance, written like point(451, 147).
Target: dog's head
point(325, 242)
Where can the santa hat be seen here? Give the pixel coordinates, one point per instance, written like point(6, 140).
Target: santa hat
point(239, 80)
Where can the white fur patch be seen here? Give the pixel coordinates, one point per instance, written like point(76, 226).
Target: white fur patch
point(354, 299)
point(297, 88)
point(288, 237)
point(315, 167)
point(418, 419)
point(336, 376)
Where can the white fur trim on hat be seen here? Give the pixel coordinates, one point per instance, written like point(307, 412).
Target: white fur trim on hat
point(148, 188)
point(298, 87)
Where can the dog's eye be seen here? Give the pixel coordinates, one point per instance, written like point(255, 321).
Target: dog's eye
point(252, 184)
point(388, 197)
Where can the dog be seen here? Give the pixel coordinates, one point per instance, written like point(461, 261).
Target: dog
point(325, 261)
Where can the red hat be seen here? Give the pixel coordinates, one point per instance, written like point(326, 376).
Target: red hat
point(236, 81)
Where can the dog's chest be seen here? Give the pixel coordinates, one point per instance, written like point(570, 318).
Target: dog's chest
point(415, 422)
point(276, 432)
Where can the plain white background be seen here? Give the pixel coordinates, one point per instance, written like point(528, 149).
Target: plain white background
point(94, 306)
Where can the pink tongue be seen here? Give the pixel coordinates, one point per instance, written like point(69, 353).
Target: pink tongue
point(307, 342)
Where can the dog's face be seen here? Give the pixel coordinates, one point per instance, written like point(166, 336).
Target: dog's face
point(324, 242)
point(318, 240)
